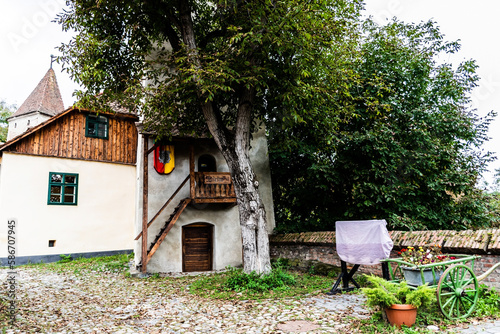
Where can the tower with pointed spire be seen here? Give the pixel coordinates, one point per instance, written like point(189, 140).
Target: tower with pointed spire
point(44, 102)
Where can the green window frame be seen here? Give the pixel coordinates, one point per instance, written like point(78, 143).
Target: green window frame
point(63, 189)
point(97, 126)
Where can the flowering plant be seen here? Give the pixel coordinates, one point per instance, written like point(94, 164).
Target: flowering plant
point(420, 256)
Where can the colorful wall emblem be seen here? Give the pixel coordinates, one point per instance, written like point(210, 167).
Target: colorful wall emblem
point(164, 159)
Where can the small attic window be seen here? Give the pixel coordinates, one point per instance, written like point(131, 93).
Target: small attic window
point(207, 163)
point(97, 126)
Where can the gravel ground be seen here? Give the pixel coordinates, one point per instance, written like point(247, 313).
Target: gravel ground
point(50, 302)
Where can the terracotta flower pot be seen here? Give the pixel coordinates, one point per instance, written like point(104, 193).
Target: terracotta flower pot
point(401, 314)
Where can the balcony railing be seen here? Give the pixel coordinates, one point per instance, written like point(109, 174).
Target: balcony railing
point(213, 187)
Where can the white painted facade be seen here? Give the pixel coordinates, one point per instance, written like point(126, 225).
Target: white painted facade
point(102, 220)
point(22, 123)
point(224, 217)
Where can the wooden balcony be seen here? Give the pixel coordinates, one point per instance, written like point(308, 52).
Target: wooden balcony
point(212, 187)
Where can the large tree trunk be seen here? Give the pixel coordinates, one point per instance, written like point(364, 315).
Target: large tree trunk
point(253, 218)
point(252, 215)
point(235, 149)
point(234, 146)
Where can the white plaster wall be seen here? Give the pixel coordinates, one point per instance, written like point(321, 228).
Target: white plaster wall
point(227, 247)
point(22, 123)
point(226, 239)
point(103, 219)
point(259, 156)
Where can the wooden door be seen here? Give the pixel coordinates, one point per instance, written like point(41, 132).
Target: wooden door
point(197, 247)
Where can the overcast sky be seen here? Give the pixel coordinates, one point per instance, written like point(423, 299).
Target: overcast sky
point(28, 38)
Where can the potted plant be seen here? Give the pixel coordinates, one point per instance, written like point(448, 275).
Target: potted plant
point(398, 300)
point(423, 264)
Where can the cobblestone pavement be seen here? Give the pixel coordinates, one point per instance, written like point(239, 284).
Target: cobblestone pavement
point(65, 302)
point(490, 327)
point(50, 302)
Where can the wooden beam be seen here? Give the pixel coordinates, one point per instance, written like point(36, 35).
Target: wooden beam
point(144, 253)
point(83, 159)
point(164, 205)
point(215, 200)
point(169, 227)
point(152, 149)
point(191, 169)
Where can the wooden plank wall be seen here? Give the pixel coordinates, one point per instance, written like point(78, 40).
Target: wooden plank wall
point(65, 138)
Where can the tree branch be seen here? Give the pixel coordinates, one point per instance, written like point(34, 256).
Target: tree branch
point(213, 118)
point(173, 38)
point(212, 35)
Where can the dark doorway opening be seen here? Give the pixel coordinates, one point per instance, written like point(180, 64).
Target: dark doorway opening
point(207, 163)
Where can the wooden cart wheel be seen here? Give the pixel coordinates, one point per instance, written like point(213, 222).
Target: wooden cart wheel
point(457, 292)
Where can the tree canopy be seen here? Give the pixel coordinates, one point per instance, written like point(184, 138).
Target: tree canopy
point(5, 112)
point(221, 66)
point(279, 49)
point(410, 152)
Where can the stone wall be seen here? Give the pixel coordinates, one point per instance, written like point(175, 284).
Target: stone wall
point(320, 246)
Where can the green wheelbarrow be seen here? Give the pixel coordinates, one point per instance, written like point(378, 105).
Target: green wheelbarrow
point(457, 287)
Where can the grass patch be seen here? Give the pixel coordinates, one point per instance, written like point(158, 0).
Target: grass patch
point(280, 283)
point(277, 280)
point(65, 258)
point(488, 304)
point(103, 264)
point(4, 315)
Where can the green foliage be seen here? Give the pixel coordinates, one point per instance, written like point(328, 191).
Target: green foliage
point(239, 281)
point(421, 296)
point(102, 264)
point(492, 199)
point(408, 151)
point(384, 293)
point(496, 182)
point(4, 315)
point(5, 112)
point(276, 57)
point(234, 284)
point(281, 262)
point(377, 323)
point(494, 205)
point(65, 258)
point(488, 304)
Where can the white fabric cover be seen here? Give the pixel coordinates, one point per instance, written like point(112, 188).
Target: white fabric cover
point(363, 241)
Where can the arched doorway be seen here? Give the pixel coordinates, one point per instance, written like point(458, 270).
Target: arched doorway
point(207, 163)
point(197, 247)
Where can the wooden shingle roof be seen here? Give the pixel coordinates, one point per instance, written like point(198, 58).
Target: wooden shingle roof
point(45, 98)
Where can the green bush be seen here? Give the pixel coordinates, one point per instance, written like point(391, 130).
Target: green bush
point(65, 258)
point(385, 293)
point(277, 279)
point(488, 303)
